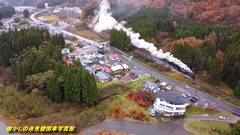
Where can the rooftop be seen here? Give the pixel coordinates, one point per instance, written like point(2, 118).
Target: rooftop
point(113, 55)
point(102, 75)
point(170, 97)
point(115, 68)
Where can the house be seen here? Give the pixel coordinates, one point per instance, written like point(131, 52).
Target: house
point(170, 104)
point(125, 67)
point(112, 63)
point(100, 58)
point(89, 69)
point(57, 9)
point(65, 51)
point(134, 77)
point(129, 73)
point(117, 68)
point(86, 62)
point(126, 79)
point(102, 76)
point(69, 62)
point(90, 54)
point(151, 86)
point(113, 56)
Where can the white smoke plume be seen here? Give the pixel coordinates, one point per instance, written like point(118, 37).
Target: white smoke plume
point(104, 21)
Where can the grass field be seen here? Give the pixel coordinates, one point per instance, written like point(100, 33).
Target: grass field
point(49, 18)
point(207, 127)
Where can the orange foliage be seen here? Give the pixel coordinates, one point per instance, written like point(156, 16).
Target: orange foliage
point(135, 97)
point(143, 102)
point(127, 95)
point(139, 113)
point(118, 112)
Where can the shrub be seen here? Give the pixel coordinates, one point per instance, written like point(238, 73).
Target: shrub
point(127, 95)
point(118, 112)
point(135, 97)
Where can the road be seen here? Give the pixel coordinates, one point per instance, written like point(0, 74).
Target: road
point(178, 86)
point(138, 128)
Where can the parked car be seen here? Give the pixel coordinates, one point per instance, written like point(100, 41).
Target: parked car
point(193, 100)
point(152, 112)
point(188, 95)
point(221, 118)
point(183, 95)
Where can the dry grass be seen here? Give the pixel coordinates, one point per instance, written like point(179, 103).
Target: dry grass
point(221, 112)
point(87, 34)
point(109, 132)
point(207, 127)
point(49, 18)
point(224, 88)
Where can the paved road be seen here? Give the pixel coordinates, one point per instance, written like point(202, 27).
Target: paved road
point(138, 128)
point(174, 127)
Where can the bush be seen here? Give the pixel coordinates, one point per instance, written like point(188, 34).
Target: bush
point(118, 112)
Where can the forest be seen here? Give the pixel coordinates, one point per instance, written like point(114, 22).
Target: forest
point(216, 58)
point(35, 59)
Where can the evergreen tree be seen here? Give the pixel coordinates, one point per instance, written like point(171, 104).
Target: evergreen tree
point(25, 13)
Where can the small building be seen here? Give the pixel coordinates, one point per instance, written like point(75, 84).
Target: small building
point(102, 76)
point(65, 51)
point(126, 79)
point(170, 104)
point(113, 56)
point(134, 77)
point(86, 62)
point(125, 67)
point(90, 54)
point(89, 69)
point(100, 58)
point(129, 73)
point(117, 68)
point(112, 63)
point(151, 86)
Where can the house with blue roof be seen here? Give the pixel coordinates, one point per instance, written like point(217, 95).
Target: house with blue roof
point(86, 62)
point(151, 86)
point(65, 51)
point(89, 69)
point(102, 76)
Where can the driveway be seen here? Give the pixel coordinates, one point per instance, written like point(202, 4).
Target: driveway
point(174, 127)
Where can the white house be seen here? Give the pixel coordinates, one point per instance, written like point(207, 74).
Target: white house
point(170, 104)
point(117, 68)
point(125, 67)
point(91, 54)
point(65, 51)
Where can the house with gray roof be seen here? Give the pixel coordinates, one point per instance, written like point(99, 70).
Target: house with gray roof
point(170, 104)
point(100, 58)
point(102, 76)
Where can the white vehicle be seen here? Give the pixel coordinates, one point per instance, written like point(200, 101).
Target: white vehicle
point(222, 118)
point(188, 95)
point(163, 84)
point(187, 86)
point(183, 95)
